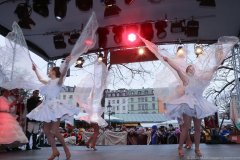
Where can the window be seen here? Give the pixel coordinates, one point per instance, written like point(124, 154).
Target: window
point(124, 94)
point(109, 101)
point(139, 92)
point(70, 96)
point(132, 107)
point(153, 106)
point(153, 98)
point(131, 99)
point(146, 99)
point(146, 106)
point(124, 108)
point(143, 107)
point(117, 108)
point(139, 107)
point(64, 96)
point(142, 99)
point(113, 94)
point(118, 94)
point(146, 92)
point(139, 99)
point(124, 101)
point(117, 101)
point(113, 101)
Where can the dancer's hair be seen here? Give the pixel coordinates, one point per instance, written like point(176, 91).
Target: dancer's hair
point(57, 71)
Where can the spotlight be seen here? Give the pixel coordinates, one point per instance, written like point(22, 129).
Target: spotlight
point(111, 8)
point(131, 34)
point(129, 2)
point(118, 33)
point(198, 50)
point(23, 12)
point(73, 38)
point(41, 7)
point(177, 26)
point(79, 63)
point(102, 37)
point(180, 51)
point(209, 3)
point(132, 37)
point(192, 28)
point(160, 27)
point(100, 57)
point(60, 9)
point(141, 51)
point(59, 41)
point(146, 31)
point(84, 5)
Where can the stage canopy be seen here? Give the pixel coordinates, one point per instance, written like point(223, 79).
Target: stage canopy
point(161, 21)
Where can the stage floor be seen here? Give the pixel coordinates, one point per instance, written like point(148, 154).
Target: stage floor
point(156, 152)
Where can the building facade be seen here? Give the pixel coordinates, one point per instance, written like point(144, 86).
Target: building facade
point(66, 95)
point(118, 99)
point(132, 101)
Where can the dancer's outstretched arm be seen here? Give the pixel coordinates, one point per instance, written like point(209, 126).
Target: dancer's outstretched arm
point(64, 71)
point(179, 72)
point(38, 75)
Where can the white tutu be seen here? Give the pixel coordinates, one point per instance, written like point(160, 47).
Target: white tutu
point(204, 109)
point(10, 130)
point(52, 108)
point(191, 103)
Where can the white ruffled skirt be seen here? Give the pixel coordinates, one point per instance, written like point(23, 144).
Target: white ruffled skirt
point(195, 107)
point(52, 110)
point(10, 130)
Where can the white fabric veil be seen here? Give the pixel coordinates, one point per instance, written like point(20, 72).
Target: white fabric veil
point(86, 41)
point(89, 94)
point(211, 58)
point(168, 86)
point(16, 63)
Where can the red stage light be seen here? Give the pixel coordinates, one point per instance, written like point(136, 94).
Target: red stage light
point(132, 37)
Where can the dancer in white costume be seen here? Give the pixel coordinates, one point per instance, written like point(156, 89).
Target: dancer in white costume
point(183, 93)
point(89, 94)
point(51, 111)
point(11, 134)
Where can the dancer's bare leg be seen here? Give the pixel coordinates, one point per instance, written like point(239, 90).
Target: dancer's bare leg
point(95, 136)
point(188, 141)
point(50, 137)
point(197, 135)
point(55, 131)
point(183, 136)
